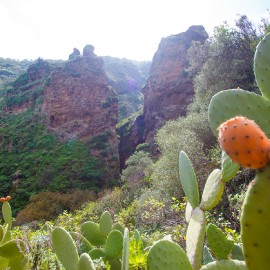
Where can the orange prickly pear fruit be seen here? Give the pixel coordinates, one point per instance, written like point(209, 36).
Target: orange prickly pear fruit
point(244, 142)
point(2, 199)
point(8, 198)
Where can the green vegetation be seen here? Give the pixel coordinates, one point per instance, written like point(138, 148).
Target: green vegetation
point(181, 212)
point(24, 141)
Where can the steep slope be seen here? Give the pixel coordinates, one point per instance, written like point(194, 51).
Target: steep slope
point(57, 130)
point(169, 88)
point(167, 93)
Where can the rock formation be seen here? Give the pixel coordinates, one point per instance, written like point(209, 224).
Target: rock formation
point(169, 89)
point(79, 104)
point(167, 93)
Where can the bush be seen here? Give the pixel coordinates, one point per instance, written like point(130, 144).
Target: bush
point(48, 205)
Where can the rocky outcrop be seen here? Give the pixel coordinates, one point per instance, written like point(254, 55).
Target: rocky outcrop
point(80, 105)
point(169, 88)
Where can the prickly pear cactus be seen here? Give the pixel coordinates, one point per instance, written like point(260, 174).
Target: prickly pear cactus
point(105, 223)
point(228, 167)
point(125, 252)
point(188, 180)
point(230, 103)
point(213, 190)
point(218, 242)
point(195, 238)
point(225, 265)
point(86, 263)
point(237, 253)
point(167, 255)
point(114, 244)
point(255, 222)
point(245, 142)
point(91, 231)
point(262, 66)
point(65, 248)
point(255, 217)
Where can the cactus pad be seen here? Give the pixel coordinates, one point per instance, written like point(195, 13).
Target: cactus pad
point(105, 223)
point(237, 253)
point(119, 228)
point(91, 231)
point(229, 168)
point(125, 252)
point(7, 215)
point(167, 255)
point(114, 244)
point(188, 180)
point(225, 265)
point(255, 222)
point(230, 103)
point(213, 190)
point(218, 242)
point(65, 248)
point(195, 238)
point(188, 212)
point(262, 66)
point(85, 262)
point(207, 256)
point(96, 253)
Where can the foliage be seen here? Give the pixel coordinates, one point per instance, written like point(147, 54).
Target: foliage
point(191, 134)
point(234, 48)
point(48, 205)
point(55, 166)
point(138, 171)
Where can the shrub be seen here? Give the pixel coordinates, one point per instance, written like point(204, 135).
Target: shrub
point(48, 205)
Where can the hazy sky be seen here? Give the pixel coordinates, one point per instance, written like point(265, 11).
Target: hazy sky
point(121, 28)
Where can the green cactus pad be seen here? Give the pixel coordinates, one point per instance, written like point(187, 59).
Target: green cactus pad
point(225, 265)
point(229, 168)
point(262, 66)
point(65, 248)
point(119, 228)
point(1, 233)
point(195, 238)
point(6, 236)
point(237, 253)
point(114, 244)
point(167, 255)
point(125, 253)
point(188, 180)
point(115, 264)
point(230, 103)
point(11, 249)
point(188, 212)
point(96, 253)
point(91, 231)
point(86, 263)
point(105, 223)
point(218, 242)
point(213, 190)
point(207, 256)
point(7, 214)
point(255, 222)
point(17, 263)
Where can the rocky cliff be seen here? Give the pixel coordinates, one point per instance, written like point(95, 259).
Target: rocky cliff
point(80, 105)
point(169, 88)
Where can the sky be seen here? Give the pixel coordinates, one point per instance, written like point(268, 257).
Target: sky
point(130, 29)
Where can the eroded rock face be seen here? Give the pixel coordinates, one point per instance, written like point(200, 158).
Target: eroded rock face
point(169, 88)
point(79, 104)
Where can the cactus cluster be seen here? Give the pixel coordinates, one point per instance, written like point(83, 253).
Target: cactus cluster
point(104, 240)
point(225, 109)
